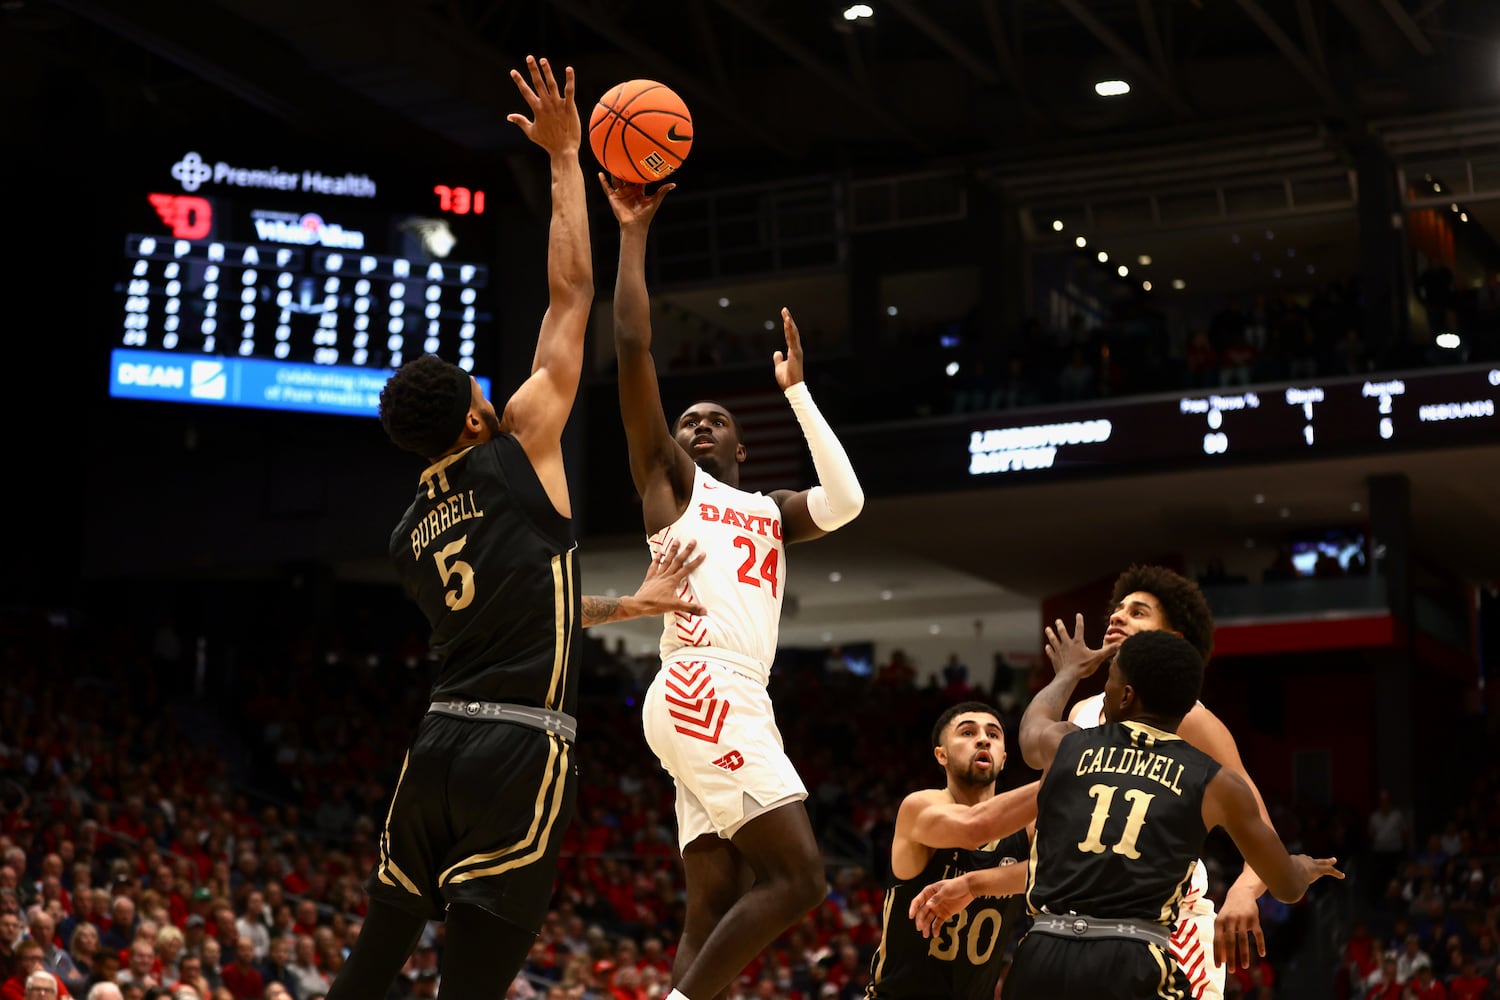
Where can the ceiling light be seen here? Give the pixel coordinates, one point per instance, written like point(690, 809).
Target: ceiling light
point(1179, 284)
point(854, 12)
point(891, 310)
point(1311, 269)
point(1356, 506)
point(1122, 270)
point(1285, 512)
point(1448, 341)
point(835, 576)
point(1453, 207)
point(770, 324)
point(1146, 286)
point(723, 303)
point(1057, 225)
point(934, 629)
point(952, 369)
point(1111, 88)
point(1080, 242)
point(886, 595)
point(1463, 216)
point(1103, 257)
point(1260, 498)
point(826, 636)
point(1144, 260)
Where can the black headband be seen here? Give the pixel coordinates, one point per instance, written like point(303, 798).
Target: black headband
point(453, 423)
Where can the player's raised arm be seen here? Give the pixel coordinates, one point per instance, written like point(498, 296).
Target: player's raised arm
point(1042, 725)
point(657, 462)
point(838, 497)
point(539, 409)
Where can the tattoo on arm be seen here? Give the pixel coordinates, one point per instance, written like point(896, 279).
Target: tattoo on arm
point(599, 610)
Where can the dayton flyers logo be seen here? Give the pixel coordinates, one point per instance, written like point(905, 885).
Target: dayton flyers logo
point(188, 216)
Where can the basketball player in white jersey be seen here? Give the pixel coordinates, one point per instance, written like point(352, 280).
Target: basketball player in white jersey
point(752, 865)
point(1147, 598)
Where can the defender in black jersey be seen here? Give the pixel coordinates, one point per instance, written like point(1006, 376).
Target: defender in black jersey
point(976, 840)
point(486, 550)
point(1122, 814)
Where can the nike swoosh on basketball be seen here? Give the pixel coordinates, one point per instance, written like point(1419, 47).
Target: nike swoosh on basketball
point(672, 134)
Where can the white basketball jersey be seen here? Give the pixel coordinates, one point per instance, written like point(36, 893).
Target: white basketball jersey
point(742, 578)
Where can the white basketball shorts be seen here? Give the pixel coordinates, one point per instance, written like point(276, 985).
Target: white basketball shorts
point(1192, 942)
point(711, 725)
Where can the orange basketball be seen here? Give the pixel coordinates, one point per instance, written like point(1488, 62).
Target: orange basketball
point(640, 131)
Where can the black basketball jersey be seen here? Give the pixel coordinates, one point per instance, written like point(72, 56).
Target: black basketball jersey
point(492, 565)
point(963, 958)
point(1119, 824)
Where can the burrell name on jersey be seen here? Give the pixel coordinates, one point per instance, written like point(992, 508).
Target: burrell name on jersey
point(740, 581)
point(489, 560)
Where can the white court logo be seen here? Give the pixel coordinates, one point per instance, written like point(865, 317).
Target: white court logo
point(191, 171)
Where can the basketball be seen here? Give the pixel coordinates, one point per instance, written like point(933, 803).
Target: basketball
point(640, 131)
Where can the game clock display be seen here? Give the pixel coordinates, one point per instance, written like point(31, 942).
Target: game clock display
point(282, 281)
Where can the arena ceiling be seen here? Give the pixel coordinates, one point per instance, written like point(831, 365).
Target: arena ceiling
point(778, 86)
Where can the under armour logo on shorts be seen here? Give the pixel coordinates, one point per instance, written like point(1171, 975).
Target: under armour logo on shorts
point(731, 761)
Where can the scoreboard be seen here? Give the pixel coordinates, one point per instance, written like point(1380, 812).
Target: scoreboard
point(1386, 413)
point(284, 280)
point(1432, 408)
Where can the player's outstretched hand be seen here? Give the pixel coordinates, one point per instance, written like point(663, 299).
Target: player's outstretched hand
point(1237, 924)
point(660, 593)
point(1070, 653)
point(554, 124)
point(1237, 929)
point(789, 364)
point(1315, 868)
point(932, 907)
point(630, 202)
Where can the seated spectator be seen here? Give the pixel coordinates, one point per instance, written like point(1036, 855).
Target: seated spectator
point(1425, 986)
point(1384, 984)
point(142, 968)
point(1467, 984)
point(277, 970)
point(54, 959)
point(29, 972)
point(1411, 958)
point(40, 985)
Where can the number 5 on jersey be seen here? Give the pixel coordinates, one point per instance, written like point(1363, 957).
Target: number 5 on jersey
point(449, 569)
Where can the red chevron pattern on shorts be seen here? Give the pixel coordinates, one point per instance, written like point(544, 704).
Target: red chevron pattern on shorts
point(699, 712)
point(1187, 952)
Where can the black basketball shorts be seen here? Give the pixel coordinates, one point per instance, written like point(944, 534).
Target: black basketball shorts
point(477, 817)
point(1047, 967)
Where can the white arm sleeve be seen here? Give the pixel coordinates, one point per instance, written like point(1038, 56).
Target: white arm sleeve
point(837, 499)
